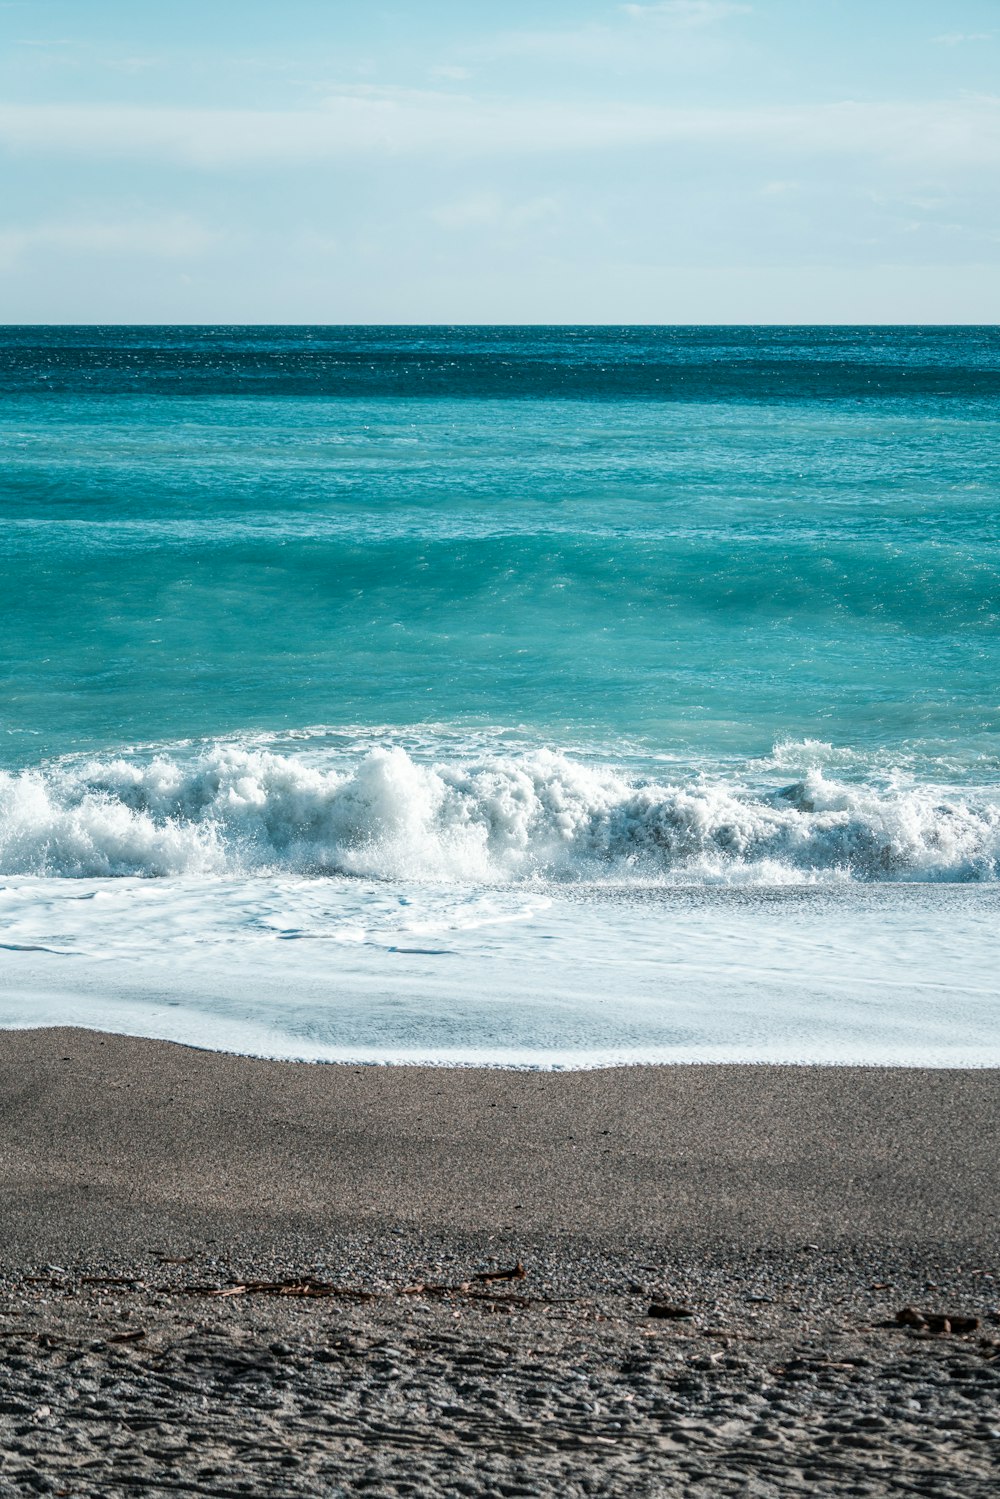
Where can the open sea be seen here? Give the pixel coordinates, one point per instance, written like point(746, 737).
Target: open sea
point(541, 696)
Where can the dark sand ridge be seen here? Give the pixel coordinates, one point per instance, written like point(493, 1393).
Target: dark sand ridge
point(112, 1146)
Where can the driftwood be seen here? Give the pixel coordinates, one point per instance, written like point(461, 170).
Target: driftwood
point(516, 1272)
point(951, 1322)
point(477, 1288)
point(307, 1287)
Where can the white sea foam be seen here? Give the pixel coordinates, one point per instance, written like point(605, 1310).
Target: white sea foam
point(348, 969)
point(229, 809)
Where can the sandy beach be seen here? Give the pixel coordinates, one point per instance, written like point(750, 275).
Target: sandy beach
point(231, 1276)
point(113, 1145)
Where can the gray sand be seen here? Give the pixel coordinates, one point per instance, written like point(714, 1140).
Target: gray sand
point(111, 1143)
point(788, 1213)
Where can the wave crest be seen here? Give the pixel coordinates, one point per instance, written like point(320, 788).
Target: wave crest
point(507, 818)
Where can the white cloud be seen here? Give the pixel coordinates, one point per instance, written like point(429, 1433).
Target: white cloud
point(137, 64)
point(956, 38)
point(365, 121)
point(491, 211)
point(779, 188)
point(452, 74)
point(687, 13)
point(681, 33)
point(173, 238)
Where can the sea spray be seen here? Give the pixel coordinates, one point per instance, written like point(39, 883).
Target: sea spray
point(503, 818)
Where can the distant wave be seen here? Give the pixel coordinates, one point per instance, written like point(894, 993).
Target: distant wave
point(532, 815)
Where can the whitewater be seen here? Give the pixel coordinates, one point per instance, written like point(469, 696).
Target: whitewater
point(538, 816)
point(343, 901)
point(535, 697)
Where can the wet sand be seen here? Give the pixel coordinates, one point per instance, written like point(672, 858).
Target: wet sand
point(228, 1276)
point(111, 1144)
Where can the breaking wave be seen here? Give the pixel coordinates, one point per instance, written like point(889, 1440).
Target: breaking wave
point(535, 815)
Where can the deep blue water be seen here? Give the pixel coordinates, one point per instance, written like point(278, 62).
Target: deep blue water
point(684, 363)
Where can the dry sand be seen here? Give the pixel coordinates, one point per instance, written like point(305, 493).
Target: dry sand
point(787, 1213)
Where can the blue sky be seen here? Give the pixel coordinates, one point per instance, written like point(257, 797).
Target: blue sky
point(325, 161)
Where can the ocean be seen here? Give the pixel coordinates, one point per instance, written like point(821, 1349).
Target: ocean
point(537, 696)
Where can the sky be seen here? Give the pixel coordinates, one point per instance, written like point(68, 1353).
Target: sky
point(562, 161)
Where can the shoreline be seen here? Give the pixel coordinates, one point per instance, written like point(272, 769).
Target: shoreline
point(480, 1065)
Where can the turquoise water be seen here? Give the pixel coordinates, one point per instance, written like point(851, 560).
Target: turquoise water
point(700, 578)
point(483, 613)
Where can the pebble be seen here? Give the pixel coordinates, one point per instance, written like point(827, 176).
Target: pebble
point(575, 1393)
